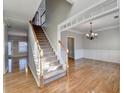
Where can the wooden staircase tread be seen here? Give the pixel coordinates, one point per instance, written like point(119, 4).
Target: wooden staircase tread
point(50, 56)
point(58, 65)
point(53, 73)
point(52, 61)
point(43, 44)
point(49, 52)
point(43, 41)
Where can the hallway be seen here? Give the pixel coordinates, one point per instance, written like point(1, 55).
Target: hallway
point(84, 76)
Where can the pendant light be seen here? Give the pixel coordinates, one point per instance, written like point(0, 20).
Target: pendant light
point(91, 35)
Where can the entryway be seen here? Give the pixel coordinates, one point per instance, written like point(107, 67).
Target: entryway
point(71, 48)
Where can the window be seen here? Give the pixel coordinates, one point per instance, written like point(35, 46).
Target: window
point(22, 46)
point(9, 48)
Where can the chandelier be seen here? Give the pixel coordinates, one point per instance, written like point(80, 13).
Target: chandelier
point(91, 35)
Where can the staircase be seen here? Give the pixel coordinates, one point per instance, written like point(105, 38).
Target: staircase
point(52, 69)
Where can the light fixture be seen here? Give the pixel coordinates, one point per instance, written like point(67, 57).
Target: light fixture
point(91, 35)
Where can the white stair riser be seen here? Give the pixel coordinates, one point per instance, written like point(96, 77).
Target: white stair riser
point(54, 78)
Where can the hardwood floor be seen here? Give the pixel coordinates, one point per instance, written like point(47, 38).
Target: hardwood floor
point(84, 76)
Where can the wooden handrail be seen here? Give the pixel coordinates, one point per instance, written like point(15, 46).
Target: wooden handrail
point(66, 49)
point(35, 36)
point(34, 33)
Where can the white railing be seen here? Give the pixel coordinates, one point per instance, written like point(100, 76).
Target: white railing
point(37, 53)
point(65, 64)
point(101, 7)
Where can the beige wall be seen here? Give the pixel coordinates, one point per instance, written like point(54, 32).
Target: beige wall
point(107, 40)
point(57, 11)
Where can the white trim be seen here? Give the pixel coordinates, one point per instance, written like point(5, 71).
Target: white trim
point(94, 5)
point(76, 31)
point(72, 30)
point(91, 18)
point(97, 30)
point(36, 79)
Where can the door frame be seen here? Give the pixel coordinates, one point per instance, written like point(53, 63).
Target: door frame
point(74, 43)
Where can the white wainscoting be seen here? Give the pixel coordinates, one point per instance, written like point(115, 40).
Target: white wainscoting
point(79, 53)
point(103, 55)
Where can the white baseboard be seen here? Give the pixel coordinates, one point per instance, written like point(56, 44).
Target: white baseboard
point(36, 79)
point(5, 71)
point(103, 55)
point(78, 54)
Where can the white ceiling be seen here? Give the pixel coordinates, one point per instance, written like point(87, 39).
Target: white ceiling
point(102, 22)
point(17, 13)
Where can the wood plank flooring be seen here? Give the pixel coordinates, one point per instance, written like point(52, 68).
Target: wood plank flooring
point(84, 76)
